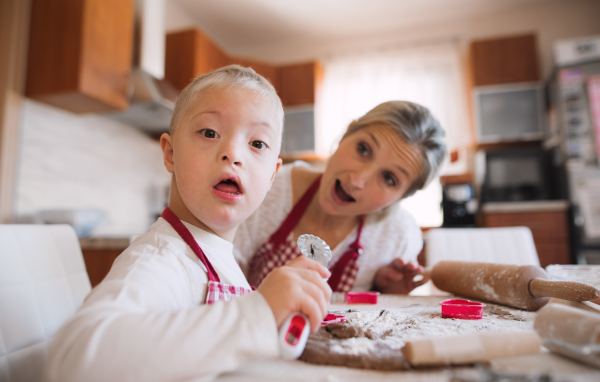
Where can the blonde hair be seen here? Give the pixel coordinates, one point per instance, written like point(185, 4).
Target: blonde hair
point(228, 76)
point(416, 126)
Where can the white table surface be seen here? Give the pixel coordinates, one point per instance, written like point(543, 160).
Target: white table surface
point(560, 368)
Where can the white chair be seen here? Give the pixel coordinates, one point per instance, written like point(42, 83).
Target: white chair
point(43, 281)
point(510, 245)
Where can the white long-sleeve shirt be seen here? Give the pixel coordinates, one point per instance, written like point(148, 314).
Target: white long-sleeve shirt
point(147, 321)
point(397, 235)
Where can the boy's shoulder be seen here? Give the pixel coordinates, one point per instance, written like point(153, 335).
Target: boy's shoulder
point(160, 237)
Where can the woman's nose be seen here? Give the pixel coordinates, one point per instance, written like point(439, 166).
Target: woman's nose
point(358, 179)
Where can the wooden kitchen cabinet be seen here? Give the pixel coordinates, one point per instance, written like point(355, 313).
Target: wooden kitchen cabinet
point(549, 227)
point(504, 60)
point(80, 54)
point(299, 84)
point(190, 53)
point(98, 262)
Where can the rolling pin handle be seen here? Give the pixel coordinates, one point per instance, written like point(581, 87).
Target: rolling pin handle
point(566, 290)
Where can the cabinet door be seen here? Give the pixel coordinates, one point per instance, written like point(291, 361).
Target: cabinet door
point(505, 60)
point(189, 54)
point(298, 84)
point(549, 229)
point(80, 51)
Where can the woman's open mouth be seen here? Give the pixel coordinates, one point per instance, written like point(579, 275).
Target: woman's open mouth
point(341, 194)
point(228, 190)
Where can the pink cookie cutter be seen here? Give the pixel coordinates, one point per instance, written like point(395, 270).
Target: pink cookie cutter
point(463, 309)
point(361, 297)
point(332, 318)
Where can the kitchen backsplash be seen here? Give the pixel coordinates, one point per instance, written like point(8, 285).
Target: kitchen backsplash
point(70, 161)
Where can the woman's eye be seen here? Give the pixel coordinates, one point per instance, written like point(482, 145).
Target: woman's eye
point(259, 145)
point(208, 133)
point(362, 149)
point(390, 180)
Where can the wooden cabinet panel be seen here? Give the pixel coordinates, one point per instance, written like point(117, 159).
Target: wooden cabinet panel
point(298, 84)
point(551, 224)
point(189, 54)
point(549, 229)
point(504, 60)
point(79, 56)
point(98, 263)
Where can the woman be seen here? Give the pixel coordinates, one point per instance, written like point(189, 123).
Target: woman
point(386, 155)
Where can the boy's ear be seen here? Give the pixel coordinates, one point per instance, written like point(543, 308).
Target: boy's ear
point(166, 144)
point(279, 162)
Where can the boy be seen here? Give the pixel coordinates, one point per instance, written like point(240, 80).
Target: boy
point(156, 316)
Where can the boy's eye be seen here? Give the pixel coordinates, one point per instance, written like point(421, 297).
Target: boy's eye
point(208, 133)
point(259, 145)
point(390, 179)
point(362, 149)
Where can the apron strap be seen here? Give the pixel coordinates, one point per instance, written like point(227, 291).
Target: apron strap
point(187, 236)
point(354, 250)
point(296, 213)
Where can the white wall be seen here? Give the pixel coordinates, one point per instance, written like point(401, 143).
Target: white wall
point(69, 161)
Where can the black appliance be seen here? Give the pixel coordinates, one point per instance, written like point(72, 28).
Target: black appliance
point(458, 205)
point(520, 175)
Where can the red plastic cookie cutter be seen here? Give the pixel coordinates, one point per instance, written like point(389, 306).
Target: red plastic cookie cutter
point(332, 318)
point(463, 309)
point(361, 297)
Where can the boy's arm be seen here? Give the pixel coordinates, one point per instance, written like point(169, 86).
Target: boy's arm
point(138, 328)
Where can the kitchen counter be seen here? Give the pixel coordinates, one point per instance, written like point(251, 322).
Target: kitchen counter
point(528, 206)
point(535, 364)
point(104, 243)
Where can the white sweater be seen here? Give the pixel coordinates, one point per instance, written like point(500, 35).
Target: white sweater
point(147, 320)
point(398, 235)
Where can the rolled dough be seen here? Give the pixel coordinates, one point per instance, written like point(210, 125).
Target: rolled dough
point(373, 339)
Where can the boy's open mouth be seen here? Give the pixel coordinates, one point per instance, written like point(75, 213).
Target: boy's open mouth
point(229, 186)
point(341, 193)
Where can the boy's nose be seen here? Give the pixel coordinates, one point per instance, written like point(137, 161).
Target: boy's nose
point(228, 158)
point(231, 153)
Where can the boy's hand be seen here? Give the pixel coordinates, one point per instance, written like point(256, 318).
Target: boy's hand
point(397, 277)
point(298, 286)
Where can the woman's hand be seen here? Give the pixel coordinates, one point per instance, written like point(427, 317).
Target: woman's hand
point(397, 277)
point(298, 286)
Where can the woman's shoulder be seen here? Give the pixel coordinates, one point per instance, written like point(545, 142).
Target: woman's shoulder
point(302, 176)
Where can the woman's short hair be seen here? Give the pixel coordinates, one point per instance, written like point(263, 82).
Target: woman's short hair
point(416, 126)
point(228, 76)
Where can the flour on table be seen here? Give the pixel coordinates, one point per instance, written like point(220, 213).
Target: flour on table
point(369, 339)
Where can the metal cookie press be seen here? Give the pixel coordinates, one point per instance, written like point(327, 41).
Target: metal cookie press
point(296, 328)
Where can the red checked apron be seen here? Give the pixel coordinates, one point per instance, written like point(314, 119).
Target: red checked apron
point(281, 248)
point(217, 291)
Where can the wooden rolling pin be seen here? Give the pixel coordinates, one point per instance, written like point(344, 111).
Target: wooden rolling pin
point(567, 324)
point(470, 348)
point(522, 286)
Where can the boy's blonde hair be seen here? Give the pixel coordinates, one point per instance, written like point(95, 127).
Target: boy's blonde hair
point(228, 76)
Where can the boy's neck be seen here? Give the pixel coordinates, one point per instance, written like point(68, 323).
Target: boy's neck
point(178, 207)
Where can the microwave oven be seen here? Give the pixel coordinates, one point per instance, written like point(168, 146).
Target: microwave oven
point(520, 175)
point(509, 112)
